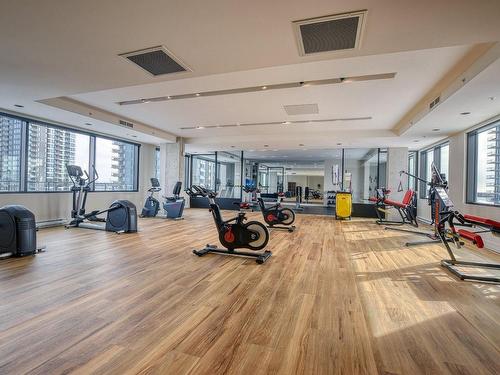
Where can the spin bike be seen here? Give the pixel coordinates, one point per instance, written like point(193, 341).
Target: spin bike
point(277, 217)
point(233, 233)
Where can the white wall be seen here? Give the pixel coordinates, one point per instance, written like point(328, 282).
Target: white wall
point(53, 206)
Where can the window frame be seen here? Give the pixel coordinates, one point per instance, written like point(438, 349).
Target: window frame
point(422, 165)
point(93, 136)
point(471, 164)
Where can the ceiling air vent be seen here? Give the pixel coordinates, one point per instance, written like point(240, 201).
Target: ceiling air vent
point(156, 61)
point(435, 102)
point(127, 124)
point(301, 109)
point(331, 33)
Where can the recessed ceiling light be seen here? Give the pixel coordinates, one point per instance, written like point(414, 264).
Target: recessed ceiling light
point(237, 124)
point(200, 127)
point(266, 145)
point(301, 144)
point(169, 97)
point(133, 136)
point(88, 124)
point(233, 146)
point(145, 100)
point(492, 98)
point(436, 129)
point(339, 144)
point(465, 113)
point(18, 105)
point(264, 87)
point(197, 94)
point(286, 122)
point(416, 140)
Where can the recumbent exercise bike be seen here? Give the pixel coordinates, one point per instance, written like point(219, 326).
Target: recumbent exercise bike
point(233, 233)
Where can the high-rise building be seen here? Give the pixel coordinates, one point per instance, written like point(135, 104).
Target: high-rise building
point(123, 165)
point(49, 151)
point(10, 162)
point(492, 193)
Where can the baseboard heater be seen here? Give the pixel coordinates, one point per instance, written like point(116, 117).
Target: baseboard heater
point(50, 223)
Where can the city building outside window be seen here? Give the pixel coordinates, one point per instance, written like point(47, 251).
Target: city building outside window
point(10, 155)
point(483, 165)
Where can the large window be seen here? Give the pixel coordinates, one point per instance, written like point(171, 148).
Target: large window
point(10, 155)
point(437, 155)
point(115, 163)
point(34, 155)
point(483, 166)
point(412, 169)
point(157, 163)
point(50, 149)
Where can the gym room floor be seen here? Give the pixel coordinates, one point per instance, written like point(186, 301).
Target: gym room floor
point(335, 298)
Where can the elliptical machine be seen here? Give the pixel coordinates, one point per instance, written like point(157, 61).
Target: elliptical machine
point(277, 217)
point(234, 233)
point(152, 205)
point(17, 232)
point(121, 216)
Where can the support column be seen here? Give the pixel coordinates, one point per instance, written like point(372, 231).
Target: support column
point(397, 160)
point(171, 165)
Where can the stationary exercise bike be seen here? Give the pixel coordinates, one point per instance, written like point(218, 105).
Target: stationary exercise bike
point(277, 217)
point(234, 233)
point(152, 205)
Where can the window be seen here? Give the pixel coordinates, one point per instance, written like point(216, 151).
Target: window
point(10, 156)
point(483, 165)
point(34, 155)
point(157, 163)
point(203, 171)
point(412, 169)
point(115, 164)
point(439, 155)
point(50, 149)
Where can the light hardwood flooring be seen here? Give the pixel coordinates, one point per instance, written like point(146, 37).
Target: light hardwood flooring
point(335, 298)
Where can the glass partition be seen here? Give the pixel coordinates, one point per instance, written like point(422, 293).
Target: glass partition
point(203, 170)
point(229, 174)
point(361, 173)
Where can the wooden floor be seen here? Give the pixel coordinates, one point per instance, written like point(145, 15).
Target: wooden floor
point(335, 298)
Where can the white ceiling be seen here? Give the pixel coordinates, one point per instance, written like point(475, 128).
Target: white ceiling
point(480, 97)
point(56, 48)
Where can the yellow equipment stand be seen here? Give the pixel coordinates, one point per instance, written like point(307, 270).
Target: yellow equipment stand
point(343, 205)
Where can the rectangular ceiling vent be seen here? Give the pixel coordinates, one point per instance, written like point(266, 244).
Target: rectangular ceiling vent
point(301, 109)
point(156, 61)
point(331, 33)
point(435, 102)
point(126, 124)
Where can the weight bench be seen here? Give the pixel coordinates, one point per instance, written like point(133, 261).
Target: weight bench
point(405, 208)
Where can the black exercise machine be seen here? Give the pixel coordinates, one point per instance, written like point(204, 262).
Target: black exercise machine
point(174, 205)
point(121, 216)
point(234, 233)
point(448, 216)
point(17, 232)
point(152, 205)
point(276, 216)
